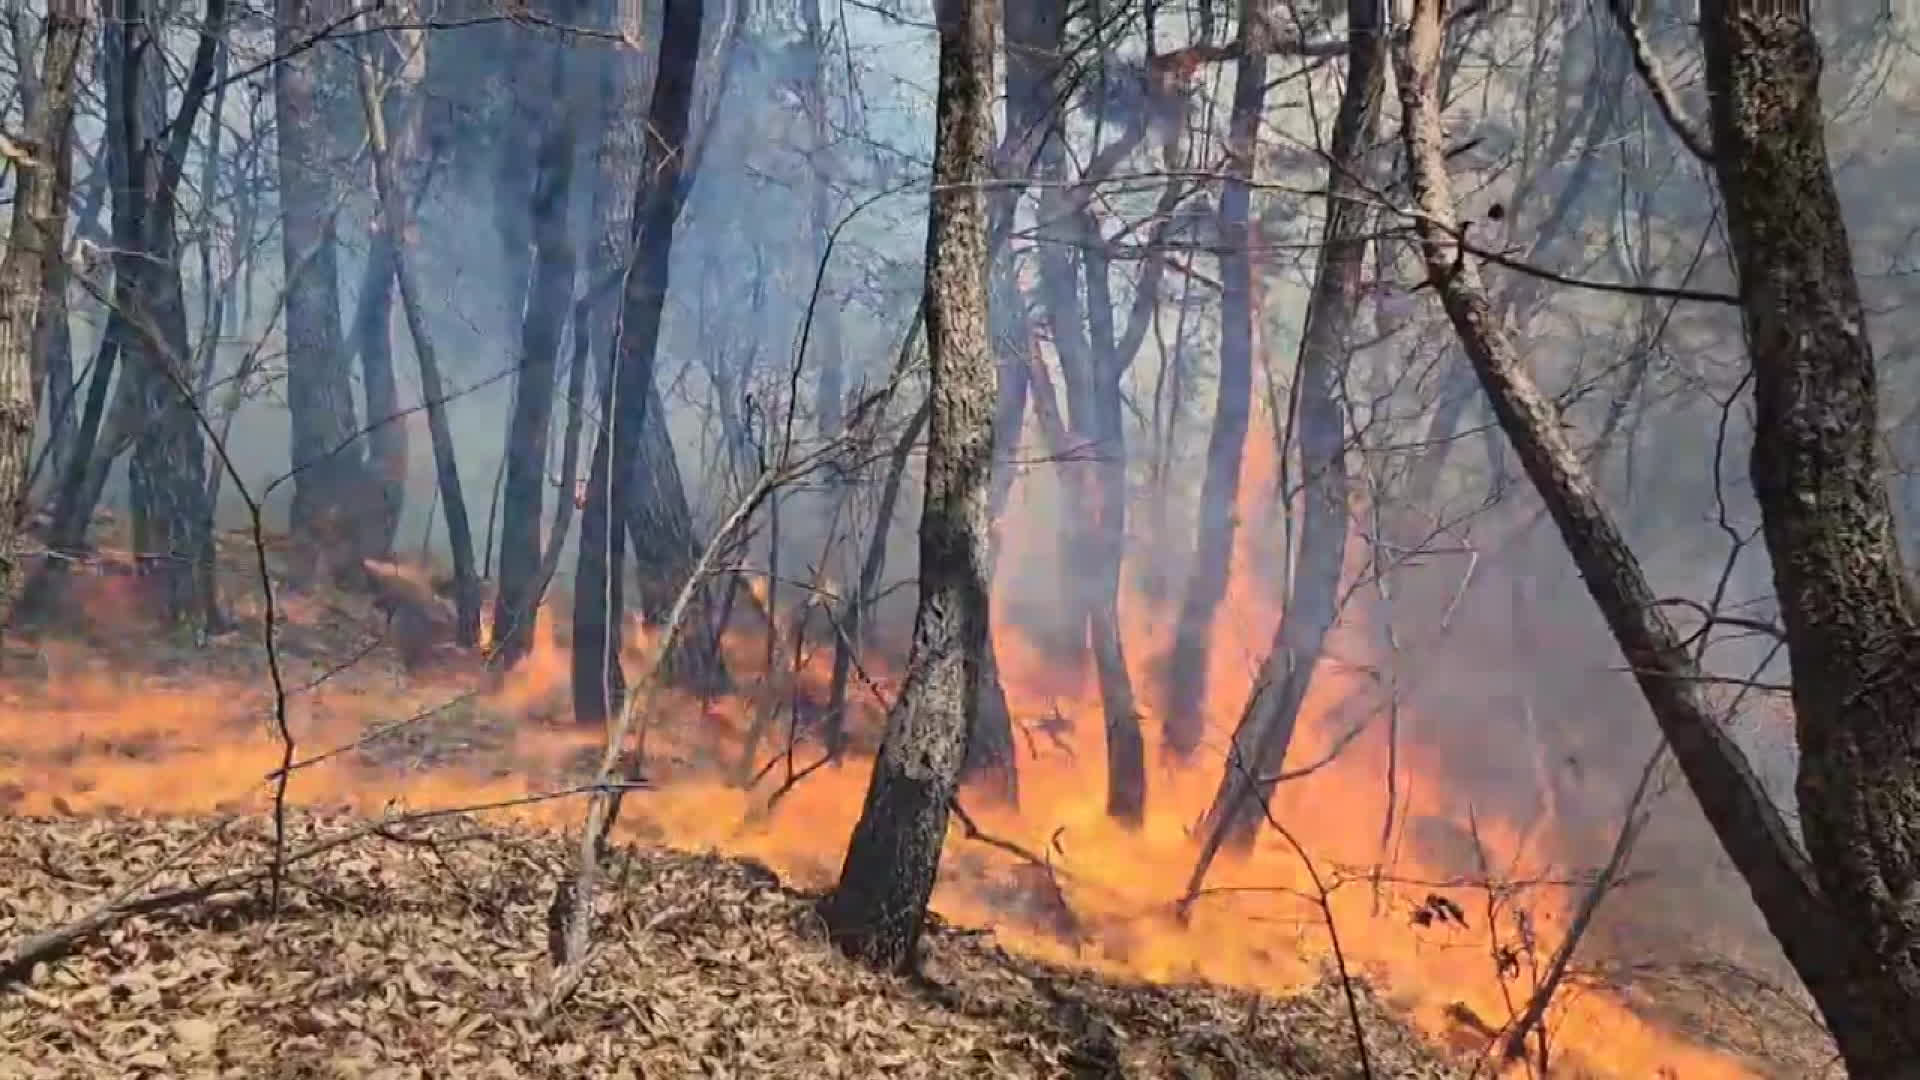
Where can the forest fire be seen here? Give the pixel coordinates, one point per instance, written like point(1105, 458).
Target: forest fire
point(98, 736)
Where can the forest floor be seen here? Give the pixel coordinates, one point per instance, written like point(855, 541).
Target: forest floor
point(418, 951)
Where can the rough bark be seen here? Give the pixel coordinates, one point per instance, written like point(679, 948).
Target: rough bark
point(878, 908)
point(34, 246)
point(630, 399)
point(1847, 606)
point(1266, 727)
point(1823, 943)
point(329, 481)
point(545, 312)
point(1183, 718)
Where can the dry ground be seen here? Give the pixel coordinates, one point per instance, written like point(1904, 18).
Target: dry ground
point(416, 953)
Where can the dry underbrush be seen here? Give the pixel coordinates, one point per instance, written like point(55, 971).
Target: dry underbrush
point(417, 952)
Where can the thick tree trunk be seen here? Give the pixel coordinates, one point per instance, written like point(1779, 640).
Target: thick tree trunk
point(879, 907)
point(630, 398)
point(1183, 717)
point(1857, 986)
point(329, 476)
point(34, 247)
point(544, 318)
point(1847, 605)
point(1313, 603)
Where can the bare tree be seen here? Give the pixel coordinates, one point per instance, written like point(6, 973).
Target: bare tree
point(28, 275)
point(1183, 718)
point(1267, 725)
point(630, 400)
point(1841, 909)
point(545, 311)
point(878, 908)
point(328, 460)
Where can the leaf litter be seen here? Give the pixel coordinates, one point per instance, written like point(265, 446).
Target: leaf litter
point(419, 952)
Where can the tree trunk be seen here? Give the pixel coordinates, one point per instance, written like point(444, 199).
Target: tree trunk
point(545, 312)
point(1184, 719)
point(628, 392)
point(34, 246)
point(1313, 602)
point(172, 521)
point(387, 442)
point(396, 221)
point(877, 910)
point(1857, 987)
point(829, 362)
point(329, 479)
point(1847, 605)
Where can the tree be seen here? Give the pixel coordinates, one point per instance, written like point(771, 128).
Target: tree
point(329, 508)
point(1842, 908)
point(1266, 727)
point(1183, 710)
point(545, 311)
point(878, 908)
point(630, 400)
point(34, 245)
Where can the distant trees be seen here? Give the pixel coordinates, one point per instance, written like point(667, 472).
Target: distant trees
point(879, 906)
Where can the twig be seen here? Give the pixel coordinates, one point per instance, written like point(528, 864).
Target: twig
point(1536, 1010)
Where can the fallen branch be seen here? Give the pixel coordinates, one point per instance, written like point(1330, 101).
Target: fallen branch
point(129, 902)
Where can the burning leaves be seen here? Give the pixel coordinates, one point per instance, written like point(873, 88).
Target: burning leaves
point(415, 956)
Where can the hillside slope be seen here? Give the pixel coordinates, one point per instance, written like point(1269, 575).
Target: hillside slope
point(417, 952)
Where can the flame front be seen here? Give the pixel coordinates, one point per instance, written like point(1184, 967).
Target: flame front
point(94, 737)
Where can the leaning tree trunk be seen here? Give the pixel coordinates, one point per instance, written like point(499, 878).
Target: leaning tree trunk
point(329, 475)
point(1853, 636)
point(628, 392)
point(546, 309)
point(1267, 725)
point(878, 908)
point(1858, 988)
point(33, 245)
point(1184, 720)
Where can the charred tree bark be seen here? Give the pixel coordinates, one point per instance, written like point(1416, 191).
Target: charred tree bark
point(630, 399)
point(1828, 939)
point(546, 309)
point(27, 275)
point(1847, 605)
point(877, 910)
point(1267, 725)
point(329, 480)
point(1183, 718)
